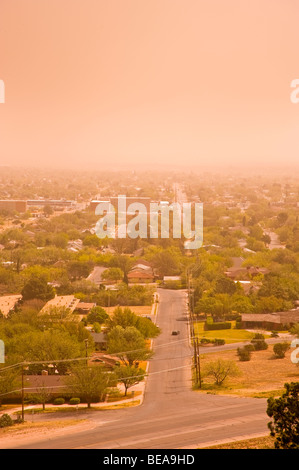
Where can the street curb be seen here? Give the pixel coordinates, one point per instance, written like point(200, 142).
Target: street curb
point(205, 445)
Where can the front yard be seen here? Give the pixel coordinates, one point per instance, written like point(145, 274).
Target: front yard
point(231, 336)
point(261, 377)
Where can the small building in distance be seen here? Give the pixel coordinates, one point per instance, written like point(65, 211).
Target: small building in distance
point(114, 201)
point(142, 272)
point(13, 205)
point(100, 340)
point(238, 273)
point(84, 308)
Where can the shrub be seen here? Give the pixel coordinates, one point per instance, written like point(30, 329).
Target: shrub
point(259, 344)
point(219, 342)
point(259, 336)
point(5, 421)
point(205, 340)
point(238, 325)
point(244, 354)
point(59, 401)
point(274, 334)
point(280, 350)
point(74, 401)
point(218, 326)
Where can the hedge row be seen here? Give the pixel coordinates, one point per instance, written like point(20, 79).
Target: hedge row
point(218, 326)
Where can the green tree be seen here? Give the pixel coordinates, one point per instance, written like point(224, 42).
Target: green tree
point(37, 287)
point(97, 315)
point(90, 383)
point(126, 317)
point(113, 274)
point(43, 395)
point(129, 376)
point(128, 344)
point(284, 412)
point(224, 285)
point(279, 286)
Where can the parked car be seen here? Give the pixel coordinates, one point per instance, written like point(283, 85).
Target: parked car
point(175, 332)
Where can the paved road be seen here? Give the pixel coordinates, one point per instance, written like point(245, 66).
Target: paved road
point(171, 416)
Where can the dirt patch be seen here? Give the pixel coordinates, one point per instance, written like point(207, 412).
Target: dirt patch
point(261, 377)
point(25, 433)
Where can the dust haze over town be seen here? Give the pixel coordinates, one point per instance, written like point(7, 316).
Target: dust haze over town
point(141, 342)
point(95, 84)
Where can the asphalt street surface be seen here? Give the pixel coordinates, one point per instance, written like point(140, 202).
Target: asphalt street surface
point(172, 416)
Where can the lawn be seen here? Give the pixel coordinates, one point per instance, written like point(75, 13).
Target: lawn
point(261, 377)
point(231, 336)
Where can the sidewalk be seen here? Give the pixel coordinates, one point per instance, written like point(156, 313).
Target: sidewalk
point(138, 387)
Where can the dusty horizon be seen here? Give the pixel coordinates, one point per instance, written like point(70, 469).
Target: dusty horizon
point(149, 85)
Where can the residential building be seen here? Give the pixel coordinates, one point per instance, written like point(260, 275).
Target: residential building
point(61, 301)
point(270, 321)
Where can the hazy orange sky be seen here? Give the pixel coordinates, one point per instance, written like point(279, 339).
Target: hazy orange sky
point(121, 83)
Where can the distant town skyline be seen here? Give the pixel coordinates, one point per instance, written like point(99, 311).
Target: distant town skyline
point(161, 84)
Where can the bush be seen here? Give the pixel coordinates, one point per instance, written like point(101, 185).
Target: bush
point(74, 401)
point(5, 421)
point(259, 344)
point(219, 342)
point(238, 325)
point(205, 340)
point(274, 334)
point(59, 401)
point(280, 350)
point(244, 354)
point(218, 326)
point(259, 336)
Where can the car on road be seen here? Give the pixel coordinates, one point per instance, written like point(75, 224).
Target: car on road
point(175, 332)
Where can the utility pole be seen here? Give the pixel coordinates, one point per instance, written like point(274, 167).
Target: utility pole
point(22, 393)
point(192, 334)
point(198, 363)
point(86, 353)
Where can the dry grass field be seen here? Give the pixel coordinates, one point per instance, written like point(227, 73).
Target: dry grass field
point(138, 310)
point(266, 442)
point(261, 377)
